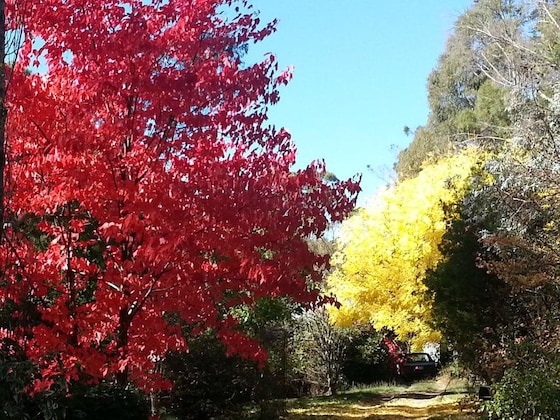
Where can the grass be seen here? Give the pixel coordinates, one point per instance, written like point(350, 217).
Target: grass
point(444, 398)
point(440, 399)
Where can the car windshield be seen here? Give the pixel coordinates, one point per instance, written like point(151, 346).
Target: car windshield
point(417, 357)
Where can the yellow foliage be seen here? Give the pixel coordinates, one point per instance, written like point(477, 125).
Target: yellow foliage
point(385, 250)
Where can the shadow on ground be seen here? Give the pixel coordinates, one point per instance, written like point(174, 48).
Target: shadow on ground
point(404, 404)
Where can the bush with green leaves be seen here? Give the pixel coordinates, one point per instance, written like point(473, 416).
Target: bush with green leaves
point(470, 306)
point(367, 359)
point(16, 373)
point(102, 401)
point(530, 389)
point(207, 383)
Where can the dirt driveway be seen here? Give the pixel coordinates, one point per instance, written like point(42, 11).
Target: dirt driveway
point(440, 402)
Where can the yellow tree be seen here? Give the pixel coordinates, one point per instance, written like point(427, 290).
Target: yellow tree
point(385, 250)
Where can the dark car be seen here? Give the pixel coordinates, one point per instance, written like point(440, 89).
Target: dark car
point(417, 366)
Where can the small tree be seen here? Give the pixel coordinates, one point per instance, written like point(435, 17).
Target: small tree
point(322, 348)
point(471, 307)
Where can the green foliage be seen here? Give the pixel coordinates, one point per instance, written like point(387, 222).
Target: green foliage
point(548, 30)
point(490, 111)
point(466, 104)
point(367, 360)
point(469, 304)
point(426, 146)
point(102, 401)
point(465, 121)
point(530, 389)
point(485, 122)
point(16, 373)
point(210, 383)
point(452, 86)
point(207, 382)
point(266, 312)
point(271, 321)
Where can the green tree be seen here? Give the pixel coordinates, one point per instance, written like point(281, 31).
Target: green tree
point(523, 199)
point(515, 216)
point(469, 304)
point(466, 104)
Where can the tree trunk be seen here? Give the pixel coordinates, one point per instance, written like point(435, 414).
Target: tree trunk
point(122, 342)
point(3, 110)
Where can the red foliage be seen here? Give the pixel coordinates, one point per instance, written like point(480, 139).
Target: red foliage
point(396, 355)
point(142, 152)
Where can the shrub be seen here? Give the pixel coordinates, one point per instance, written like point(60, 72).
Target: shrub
point(367, 359)
point(529, 390)
point(105, 401)
point(207, 383)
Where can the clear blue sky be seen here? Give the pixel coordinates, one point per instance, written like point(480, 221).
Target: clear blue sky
point(360, 76)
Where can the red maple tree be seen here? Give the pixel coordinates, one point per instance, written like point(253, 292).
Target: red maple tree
point(143, 184)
